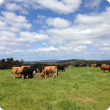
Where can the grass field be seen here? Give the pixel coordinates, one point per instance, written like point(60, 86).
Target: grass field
point(78, 88)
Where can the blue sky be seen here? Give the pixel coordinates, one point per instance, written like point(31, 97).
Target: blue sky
point(35, 30)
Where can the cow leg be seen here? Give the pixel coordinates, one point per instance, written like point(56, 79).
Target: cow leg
point(13, 74)
point(45, 74)
point(24, 76)
point(53, 75)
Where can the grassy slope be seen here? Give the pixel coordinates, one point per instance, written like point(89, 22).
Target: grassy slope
point(78, 88)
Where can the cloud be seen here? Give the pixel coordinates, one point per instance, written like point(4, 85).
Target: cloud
point(40, 19)
point(92, 3)
point(13, 7)
point(32, 37)
point(108, 1)
point(61, 7)
point(58, 22)
point(2, 2)
point(42, 50)
point(11, 21)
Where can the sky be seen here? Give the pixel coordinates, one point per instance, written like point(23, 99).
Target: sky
point(34, 30)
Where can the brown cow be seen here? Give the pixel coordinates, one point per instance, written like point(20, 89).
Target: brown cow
point(94, 65)
point(105, 67)
point(50, 69)
point(67, 66)
point(16, 70)
point(80, 65)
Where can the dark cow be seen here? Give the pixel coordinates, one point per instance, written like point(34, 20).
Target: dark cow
point(28, 71)
point(39, 69)
point(50, 69)
point(76, 65)
point(59, 67)
point(105, 67)
point(89, 65)
point(84, 64)
point(98, 65)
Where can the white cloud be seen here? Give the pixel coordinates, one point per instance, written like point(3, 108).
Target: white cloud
point(1, 1)
point(11, 21)
point(32, 37)
point(108, 1)
point(40, 19)
point(13, 7)
point(92, 3)
point(42, 50)
point(58, 22)
point(62, 6)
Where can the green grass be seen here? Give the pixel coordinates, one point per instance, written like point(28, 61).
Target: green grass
point(78, 88)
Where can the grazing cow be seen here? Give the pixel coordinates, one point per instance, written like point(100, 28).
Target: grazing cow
point(105, 67)
point(39, 69)
point(61, 68)
point(50, 69)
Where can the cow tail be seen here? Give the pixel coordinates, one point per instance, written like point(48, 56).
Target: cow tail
point(56, 72)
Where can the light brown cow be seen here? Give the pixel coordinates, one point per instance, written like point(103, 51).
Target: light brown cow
point(94, 65)
point(105, 67)
point(50, 69)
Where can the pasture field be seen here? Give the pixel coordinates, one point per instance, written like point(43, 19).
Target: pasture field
point(78, 88)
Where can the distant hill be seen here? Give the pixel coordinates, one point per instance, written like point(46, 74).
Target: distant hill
point(53, 61)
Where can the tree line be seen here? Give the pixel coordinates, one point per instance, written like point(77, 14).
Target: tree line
point(9, 62)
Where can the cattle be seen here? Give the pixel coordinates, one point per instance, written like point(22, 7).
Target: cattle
point(105, 67)
point(67, 66)
point(98, 65)
point(28, 71)
point(80, 65)
point(89, 65)
point(84, 64)
point(17, 70)
point(39, 69)
point(76, 65)
point(59, 67)
point(94, 65)
point(50, 69)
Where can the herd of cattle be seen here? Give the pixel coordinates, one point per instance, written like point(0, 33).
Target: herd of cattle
point(29, 71)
